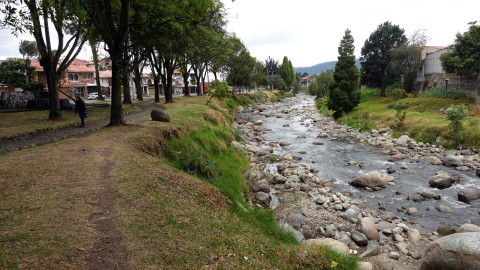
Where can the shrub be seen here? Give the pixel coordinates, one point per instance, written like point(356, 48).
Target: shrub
point(257, 97)
point(396, 85)
point(397, 105)
point(34, 86)
point(241, 100)
point(398, 94)
point(220, 90)
point(456, 115)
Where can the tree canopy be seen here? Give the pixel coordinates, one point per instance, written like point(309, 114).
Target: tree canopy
point(377, 54)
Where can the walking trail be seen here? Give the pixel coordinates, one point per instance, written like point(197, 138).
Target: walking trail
point(44, 138)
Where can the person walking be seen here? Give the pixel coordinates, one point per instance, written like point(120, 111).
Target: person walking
point(81, 108)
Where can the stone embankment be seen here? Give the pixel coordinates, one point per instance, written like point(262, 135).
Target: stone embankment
point(316, 213)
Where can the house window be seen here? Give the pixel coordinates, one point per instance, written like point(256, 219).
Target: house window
point(421, 67)
point(73, 77)
point(87, 76)
point(79, 91)
point(105, 82)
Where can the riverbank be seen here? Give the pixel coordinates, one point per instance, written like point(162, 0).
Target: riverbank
point(119, 198)
point(303, 162)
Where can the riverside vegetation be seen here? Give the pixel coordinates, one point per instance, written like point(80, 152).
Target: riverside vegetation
point(178, 199)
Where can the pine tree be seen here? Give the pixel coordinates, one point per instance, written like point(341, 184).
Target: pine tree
point(344, 96)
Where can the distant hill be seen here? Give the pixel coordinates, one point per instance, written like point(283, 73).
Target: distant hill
point(316, 69)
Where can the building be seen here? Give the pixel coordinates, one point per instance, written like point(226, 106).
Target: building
point(76, 81)
point(431, 72)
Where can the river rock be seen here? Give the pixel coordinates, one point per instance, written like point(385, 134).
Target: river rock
point(345, 239)
point(261, 185)
point(460, 251)
point(453, 161)
point(404, 166)
point(284, 143)
point(373, 249)
point(318, 143)
point(414, 254)
point(301, 137)
point(258, 122)
point(365, 266)
point(370, 179)
point(388, 216)
point(257, 129)
point(434, 161)
point(263, 197)
point(403, 140)
point(161, 116)
point(298, 235)
point(322, 135)
point(367, 227)
point(236, 145)
point(395, 158)
point(336, 245)
point(469, 194)
point(359, 238)
point(349, 214)
point(445, 230)
point(412, 210)
point(443, 208)
point(394, 255)
point(478, 172)
point(441, 180)
point(413, 235)
point(253, 149)
point(305, 188)
point(468, 228)
point(398, 238)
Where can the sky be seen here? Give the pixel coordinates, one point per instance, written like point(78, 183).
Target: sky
point(308, 32)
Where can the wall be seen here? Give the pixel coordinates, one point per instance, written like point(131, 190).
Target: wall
point(463, 84)
point(16, 100)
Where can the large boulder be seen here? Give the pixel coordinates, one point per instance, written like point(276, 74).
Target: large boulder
point(367, 226)
point(469, 194)
point(161, 116)
point(332, 243)
point(453, 161)
point(370, 179)
point(441, 180)
point(459, 251)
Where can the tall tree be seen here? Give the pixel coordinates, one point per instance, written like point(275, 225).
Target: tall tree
point(465, 56)
point(344, 96)
point(377, 54)
point(94, 43)
point(287, 73)
point(35, 17)
point(319, 86)
point(407, 58)
point(28, 49)
point(272, 67)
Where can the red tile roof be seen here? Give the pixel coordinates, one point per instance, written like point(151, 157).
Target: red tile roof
point(71, 68)
point(105, 74)
point(430, 49)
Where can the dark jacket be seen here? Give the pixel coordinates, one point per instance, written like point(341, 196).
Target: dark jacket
point(80, 106)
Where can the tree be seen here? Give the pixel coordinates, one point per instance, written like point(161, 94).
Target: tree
point(377, 54)
point(12, 72)
point(344, 96)
point(276, 81)
point(28, 49)
point(305, 74)
point(271, 66)
point(94, 43)
point(34, 17)
point(465, 56)
point(319, 86)
point(287, 73)
point(407, 58)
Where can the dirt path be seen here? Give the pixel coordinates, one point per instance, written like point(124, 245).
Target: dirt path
point(109, 251)
point(44, 138)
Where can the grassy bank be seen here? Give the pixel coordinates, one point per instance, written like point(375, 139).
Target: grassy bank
point(176, 188)
point(424, 119)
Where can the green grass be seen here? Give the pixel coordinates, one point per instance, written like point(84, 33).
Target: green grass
point(423, 121)
point(20, 122)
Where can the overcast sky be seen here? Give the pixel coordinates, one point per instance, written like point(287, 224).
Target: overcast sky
point(308, 31)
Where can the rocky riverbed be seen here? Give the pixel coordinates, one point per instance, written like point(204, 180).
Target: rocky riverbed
point(364, 193)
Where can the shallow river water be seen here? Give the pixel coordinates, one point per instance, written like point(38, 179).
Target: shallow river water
point(331, 161)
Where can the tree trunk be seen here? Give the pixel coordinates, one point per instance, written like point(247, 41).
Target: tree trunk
point(127, 98)
point(97, 72)
point(55, 113)
point(156, 79)
point(116, 113)
point(138, 86)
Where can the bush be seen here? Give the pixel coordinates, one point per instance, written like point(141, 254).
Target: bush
point(396, 85)
point(220, 90)
point(34, 86)
point(397, 105)
point(456, 115)
point(257, 97)
point(398, 94)
point(441, 92)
